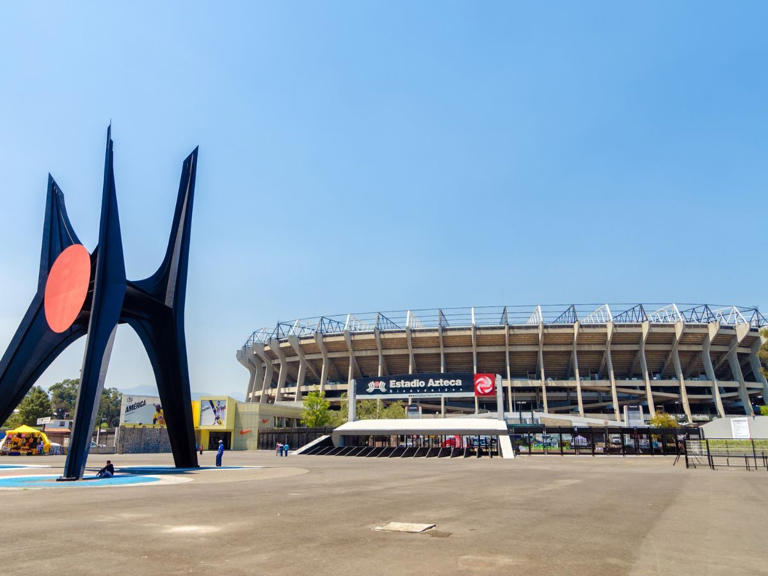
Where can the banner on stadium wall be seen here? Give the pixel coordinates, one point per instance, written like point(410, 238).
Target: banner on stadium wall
point(429, 384)
point(213, 412)
point(144, 410)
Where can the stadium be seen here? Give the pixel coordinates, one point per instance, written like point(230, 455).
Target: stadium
point(696, 361)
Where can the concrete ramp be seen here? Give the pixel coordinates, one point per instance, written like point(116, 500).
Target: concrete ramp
point(312, 444)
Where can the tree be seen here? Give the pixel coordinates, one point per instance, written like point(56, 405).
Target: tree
point(316, 410)
point(394, 410)
point(371, 409)
point(34, 405)
point(109, 407)
point(64, 399)
point(663, 420)
point(64, 396)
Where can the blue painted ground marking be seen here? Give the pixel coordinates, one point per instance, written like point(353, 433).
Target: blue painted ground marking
point(172, 470)
point(87, 481)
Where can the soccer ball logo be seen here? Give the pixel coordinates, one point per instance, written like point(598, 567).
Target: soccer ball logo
point(485, 384)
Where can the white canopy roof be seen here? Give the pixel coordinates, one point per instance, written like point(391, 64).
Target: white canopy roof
point(439, 426)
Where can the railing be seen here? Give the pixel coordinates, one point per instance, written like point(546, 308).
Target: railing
point(484, 316)
point(727, 453)
point(537, 439)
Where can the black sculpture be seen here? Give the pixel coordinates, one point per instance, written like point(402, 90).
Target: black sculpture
point(80, 294)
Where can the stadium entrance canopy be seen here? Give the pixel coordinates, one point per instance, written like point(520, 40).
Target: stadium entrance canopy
point(427, 427)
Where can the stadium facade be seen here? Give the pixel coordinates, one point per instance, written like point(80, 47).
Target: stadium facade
point(585, 360)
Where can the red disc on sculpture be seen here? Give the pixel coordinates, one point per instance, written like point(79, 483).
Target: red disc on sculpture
point(67, 287)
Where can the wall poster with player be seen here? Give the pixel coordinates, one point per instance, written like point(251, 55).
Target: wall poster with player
point(141, 410)
point(213, 412)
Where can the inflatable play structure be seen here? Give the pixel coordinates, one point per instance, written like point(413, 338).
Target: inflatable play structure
point(25, 441)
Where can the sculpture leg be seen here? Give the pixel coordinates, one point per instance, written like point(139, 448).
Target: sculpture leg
point(31, 351)
point(167, 353)
point(109, 286)
point(95, 365)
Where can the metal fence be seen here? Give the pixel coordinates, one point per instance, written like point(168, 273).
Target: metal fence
point(588, 441)
point(727, 453)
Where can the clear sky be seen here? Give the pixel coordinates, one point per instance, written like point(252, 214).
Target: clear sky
point(357, 156)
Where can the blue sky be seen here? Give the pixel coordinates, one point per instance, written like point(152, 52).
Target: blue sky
point(358, 156)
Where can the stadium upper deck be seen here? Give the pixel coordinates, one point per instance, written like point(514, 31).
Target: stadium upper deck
point(585, 359)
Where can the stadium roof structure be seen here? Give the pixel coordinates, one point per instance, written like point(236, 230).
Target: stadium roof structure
point(521, 315)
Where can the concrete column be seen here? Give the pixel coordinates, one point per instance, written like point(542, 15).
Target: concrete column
point(245, 357)
point(706, 359)
point(411, 359)
point(258, 376)
point(611, 375)
point(442, 348)
point(326, 360)
point(474, 356)
point(679, 327)
point(754, 360)
point(303, 365)
point(733, 361)
point(351, 398)
point(575, 357)
point(644, 363)
point(382, 362)
point(542, 372)
point(274, 345)
point(509, 372)
point(266, 384)
point(352, 360)
point(300, 379)
point(350, 375)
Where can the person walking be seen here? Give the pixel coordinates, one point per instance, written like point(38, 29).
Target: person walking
point(286, 447)
point(219, 453)
point(279, 449)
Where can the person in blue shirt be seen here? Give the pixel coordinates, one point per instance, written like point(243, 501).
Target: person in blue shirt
point(219, 453)
point(286, 447)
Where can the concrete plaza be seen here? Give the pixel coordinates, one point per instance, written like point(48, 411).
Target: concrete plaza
point(316, 515)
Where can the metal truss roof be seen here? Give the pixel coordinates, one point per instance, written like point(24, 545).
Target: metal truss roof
point(489, 316)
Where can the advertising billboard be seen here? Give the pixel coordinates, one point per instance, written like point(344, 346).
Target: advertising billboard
point(213, 412)
point(428, 384)
point(144, 410)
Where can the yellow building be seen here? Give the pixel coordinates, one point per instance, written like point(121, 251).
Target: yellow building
point(237, 424)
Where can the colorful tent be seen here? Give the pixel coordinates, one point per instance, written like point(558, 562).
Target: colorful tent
point(25, 440)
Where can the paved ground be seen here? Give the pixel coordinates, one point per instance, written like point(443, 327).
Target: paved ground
point(315, 515)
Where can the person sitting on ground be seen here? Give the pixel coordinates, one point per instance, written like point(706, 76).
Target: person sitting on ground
point(107, 472)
